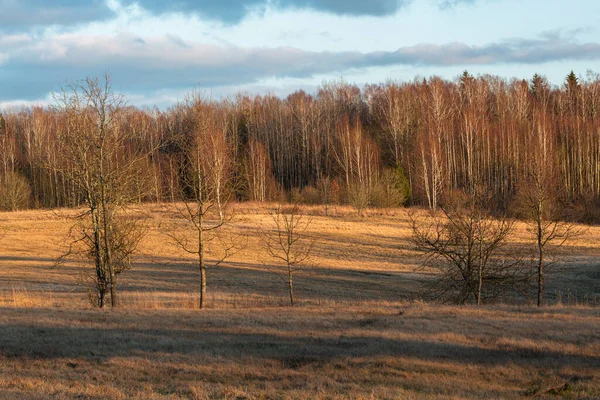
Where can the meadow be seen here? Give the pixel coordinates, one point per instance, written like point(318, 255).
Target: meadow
point(360, 328)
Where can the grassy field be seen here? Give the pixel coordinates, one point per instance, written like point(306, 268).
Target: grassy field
point(360, 329)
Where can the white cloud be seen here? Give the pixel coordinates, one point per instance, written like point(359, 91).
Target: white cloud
point(290, 43)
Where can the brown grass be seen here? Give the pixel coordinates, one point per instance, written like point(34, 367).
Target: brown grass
point(357, 260)
point(401, 351)
point(360, 331)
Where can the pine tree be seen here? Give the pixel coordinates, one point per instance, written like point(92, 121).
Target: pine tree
point(571, 83)
point(2, 125)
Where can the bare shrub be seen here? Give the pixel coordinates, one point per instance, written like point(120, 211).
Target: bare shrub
point(468, 249)
point(295, 196)
point(358, 197)
point(329, 191)
point(310, 195)
point(585, 210)
point(15, 192)
point(124, 234)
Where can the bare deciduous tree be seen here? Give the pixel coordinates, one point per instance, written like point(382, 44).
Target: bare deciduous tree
point(468, 249)
point(97, 159)
point(287, 241)
point(544, 201)
point(206, 181)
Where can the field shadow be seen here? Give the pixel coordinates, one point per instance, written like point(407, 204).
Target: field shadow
point(28, 259)
point(35, 342)
point(239, 278)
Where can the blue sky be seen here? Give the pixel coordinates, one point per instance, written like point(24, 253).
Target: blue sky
point(157, 51)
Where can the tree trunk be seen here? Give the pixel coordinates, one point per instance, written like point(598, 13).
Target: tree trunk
point(480, 283)
point(202, 285)
point(540, 295)
point(291, 286)
point(100, 276)
point(540, 258)
point(107, 250)
point(201, 263)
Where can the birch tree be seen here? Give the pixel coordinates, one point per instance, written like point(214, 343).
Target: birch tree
point(544, 201)
point(207, 194)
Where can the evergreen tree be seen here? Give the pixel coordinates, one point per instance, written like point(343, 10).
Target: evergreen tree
point(539, 87)
point(572, 83)
point(403, 185)
point(2, 125)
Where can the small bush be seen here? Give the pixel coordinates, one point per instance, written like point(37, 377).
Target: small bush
point(15, 192)
point(388, 191)
point(358, 197)
point(310, 195)
point(585, 210)
point(295, 196)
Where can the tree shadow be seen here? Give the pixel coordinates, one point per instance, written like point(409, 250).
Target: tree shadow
point(239, 278)
point(36, 342)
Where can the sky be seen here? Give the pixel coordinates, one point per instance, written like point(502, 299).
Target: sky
point(158, 51)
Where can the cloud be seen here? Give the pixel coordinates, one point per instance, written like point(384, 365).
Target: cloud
point(228, 11)
point(349, 7)
point(446, 5)
point(450, 4)
point(25, 14)
point(233, 11)
point(22, 15)
point(16, 105)
point(31, 68)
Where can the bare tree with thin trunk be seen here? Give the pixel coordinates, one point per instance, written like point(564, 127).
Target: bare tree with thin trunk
point(97, 158)
point(207, 193)
point(288, 242)
point(544, 201)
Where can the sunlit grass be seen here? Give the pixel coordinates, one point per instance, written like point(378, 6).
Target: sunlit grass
point(360, 329)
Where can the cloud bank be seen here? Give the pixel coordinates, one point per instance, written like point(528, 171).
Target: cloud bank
point(23, 15)
point(26, 14)
point(169, 62)
point(233, 11)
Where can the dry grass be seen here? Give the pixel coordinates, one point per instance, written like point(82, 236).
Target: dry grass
point(360, 330)
point(401, 351)
point(357, 259)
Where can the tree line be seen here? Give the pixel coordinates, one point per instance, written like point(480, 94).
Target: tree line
point(383, 145)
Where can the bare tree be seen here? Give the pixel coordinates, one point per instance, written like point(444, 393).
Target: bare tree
point(468, 248)
point(544, 201)
point(328, 192)
point(96, 157)
point(288, 242)
point(207, 193)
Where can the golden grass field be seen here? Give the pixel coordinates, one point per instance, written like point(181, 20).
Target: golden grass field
point(360, 329)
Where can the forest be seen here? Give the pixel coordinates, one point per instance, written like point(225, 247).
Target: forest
point(383, 145)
